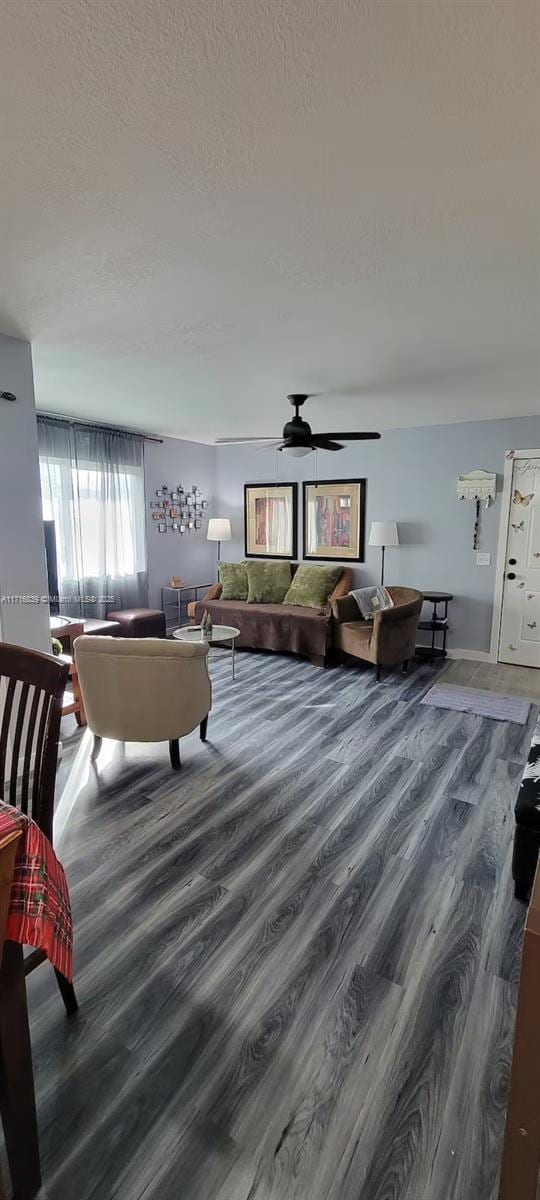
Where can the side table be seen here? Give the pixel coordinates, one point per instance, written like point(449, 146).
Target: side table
point(67, 630)
point(437, 625)
point(178, 603)
point(77, 704)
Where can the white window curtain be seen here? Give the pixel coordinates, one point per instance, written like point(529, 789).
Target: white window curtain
point(92, 484)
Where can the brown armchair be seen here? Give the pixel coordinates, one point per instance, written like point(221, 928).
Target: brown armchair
point(389, 639)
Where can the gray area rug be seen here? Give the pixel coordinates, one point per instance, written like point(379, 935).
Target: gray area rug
point(481, 703)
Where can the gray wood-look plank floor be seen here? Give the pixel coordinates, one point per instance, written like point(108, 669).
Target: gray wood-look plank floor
point(297, 960)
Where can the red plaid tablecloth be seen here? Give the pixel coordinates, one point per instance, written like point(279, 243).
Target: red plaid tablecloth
point(39, 913)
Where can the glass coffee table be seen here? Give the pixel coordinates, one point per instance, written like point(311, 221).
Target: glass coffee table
point(220, 633)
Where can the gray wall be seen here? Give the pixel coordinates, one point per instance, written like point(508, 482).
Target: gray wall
point(188, 554)
point(22, 543)
point(411, 478)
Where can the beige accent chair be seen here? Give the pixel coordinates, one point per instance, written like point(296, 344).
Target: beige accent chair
point(389, 638)
point(144, 689)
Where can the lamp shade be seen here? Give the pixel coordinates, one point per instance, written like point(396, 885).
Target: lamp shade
point(219, 529)
point(383, 533)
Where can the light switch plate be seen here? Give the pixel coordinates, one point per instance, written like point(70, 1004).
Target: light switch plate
point(483, 560)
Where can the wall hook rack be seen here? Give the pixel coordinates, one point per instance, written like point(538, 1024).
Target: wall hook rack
point(480, 486)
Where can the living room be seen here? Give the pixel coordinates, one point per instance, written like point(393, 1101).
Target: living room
point(269, 693)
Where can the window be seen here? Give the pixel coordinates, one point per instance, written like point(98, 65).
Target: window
point(92, 484)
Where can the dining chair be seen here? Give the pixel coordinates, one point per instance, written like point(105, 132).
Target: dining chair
point(17, 1097)
point(31, 695)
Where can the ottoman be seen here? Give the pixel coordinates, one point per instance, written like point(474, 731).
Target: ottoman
point(139, 622)
point(104, 628)
point(527, 813)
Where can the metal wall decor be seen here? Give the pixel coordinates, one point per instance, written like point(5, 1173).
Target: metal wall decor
point(178, 509)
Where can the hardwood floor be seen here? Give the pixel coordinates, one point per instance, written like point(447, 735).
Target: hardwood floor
point(296, 960)
point(495, 677)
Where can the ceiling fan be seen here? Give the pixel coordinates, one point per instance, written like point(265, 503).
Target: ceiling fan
point(297, 438)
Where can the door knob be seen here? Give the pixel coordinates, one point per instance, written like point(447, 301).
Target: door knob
point(511, 575)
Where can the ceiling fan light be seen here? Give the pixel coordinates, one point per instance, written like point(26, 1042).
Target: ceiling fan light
point(297, 451)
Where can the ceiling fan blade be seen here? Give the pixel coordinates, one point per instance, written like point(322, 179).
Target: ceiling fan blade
point(348, 437)
point(271, 445)
point(321, 442)
point(236, 441)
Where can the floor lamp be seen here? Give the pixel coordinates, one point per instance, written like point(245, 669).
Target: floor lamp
point(219, 530)
point(383, 534)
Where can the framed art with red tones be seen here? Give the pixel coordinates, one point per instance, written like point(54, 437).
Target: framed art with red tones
point(334, 519)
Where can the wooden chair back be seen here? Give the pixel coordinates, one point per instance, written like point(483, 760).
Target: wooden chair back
point(31, 693)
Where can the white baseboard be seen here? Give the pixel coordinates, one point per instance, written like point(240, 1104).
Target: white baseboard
point(473, 655)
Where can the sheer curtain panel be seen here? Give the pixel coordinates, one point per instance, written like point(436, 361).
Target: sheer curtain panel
point(92, 484)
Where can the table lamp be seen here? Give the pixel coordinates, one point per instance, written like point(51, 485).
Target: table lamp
point(383, 534)
point(219, 530)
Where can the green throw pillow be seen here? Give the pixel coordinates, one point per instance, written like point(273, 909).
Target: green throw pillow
point(234, 581)
point(268, 581)
point(311, 586)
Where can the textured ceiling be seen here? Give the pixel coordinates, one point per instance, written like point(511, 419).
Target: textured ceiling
point(206, 204)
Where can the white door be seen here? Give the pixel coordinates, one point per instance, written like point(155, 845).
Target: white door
point(519, 640)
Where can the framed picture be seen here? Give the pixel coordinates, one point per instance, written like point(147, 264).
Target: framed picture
point(162, 528)
point(270, 516)
point(334, 519)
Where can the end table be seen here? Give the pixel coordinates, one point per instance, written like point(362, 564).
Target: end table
point(438, 624)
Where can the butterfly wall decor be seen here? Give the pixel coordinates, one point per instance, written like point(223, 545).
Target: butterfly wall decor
point(523, 500)
point(519, 528)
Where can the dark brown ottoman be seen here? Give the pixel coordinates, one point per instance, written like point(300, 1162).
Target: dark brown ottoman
point(139, 622)
point(103, 628)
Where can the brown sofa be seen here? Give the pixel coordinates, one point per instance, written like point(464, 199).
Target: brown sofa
point(389, 639)
point(281, 627)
